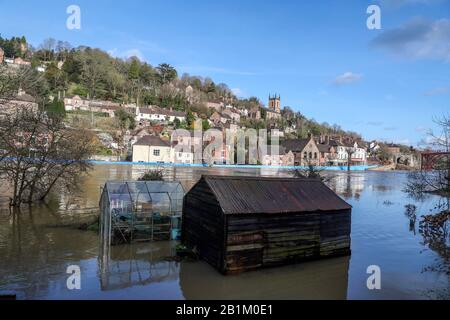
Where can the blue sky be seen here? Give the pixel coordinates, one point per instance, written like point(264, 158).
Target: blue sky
point(318, 55)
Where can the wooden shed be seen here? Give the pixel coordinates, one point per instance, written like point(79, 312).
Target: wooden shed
point(244, 223)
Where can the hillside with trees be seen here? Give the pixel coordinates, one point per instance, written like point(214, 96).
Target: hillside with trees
point(94, 74)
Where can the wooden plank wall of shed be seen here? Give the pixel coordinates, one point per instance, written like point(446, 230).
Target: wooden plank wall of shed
point(203, 224)
point(335, 233)
point(255, 241)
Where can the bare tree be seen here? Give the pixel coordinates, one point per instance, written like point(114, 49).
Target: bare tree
point(436, 180)
point(350, 152)
point(311, 172)
point(40, 154)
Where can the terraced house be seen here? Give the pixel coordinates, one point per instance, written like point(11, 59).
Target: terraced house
point(159, 114)
point(305, 151)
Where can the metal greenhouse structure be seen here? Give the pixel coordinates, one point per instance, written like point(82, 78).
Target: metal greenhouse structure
point(136, 211)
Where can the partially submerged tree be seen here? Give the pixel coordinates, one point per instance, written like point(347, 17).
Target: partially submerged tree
point(350, 152)
point(311, 172)
point(437, 178)
point(153, 175)
point(41, 154)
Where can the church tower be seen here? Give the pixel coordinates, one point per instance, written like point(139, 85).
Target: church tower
point(275, 103)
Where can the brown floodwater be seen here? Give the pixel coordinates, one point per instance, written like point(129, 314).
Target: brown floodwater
point(38, 244)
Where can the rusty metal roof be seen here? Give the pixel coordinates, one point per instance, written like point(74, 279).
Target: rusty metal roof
point(246, 195)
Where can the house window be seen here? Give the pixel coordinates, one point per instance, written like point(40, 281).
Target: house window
point(315, 155)
point(156, 152)
point(310, 155)
point(305, 155)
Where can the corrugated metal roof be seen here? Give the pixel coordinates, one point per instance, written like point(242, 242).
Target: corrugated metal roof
point(246, 195)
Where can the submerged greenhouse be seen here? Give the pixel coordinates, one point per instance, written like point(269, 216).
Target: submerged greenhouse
point(137, 211)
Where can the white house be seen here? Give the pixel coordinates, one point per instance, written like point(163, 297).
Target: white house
point(243, 112)
point(341, 152)
point(183, 157)
point(159, 114)
point(358, 153)
point(374, 147)
point(236, 117)
point(152, 149)
point(76, 103)
point(41, 68)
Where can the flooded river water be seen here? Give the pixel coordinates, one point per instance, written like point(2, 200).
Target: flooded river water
point(35, 250)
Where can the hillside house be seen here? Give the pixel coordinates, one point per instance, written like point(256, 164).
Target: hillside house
point(233, 115)
point(21, 100)
point(255, 113)
point(327, 154)
point(159, 114)
point(218, 106)
point(280, 158)
point(76, 103)
point(305, 151)
point(152, 149)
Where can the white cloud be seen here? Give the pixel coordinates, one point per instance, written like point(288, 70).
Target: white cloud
point(418, 39)
point(347, 78)
point(437, 91)
point(238, 92)
point(126, 54)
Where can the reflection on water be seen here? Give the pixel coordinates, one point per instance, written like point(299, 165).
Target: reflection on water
point(131, 265)
point(34, 253)
point(326, 279)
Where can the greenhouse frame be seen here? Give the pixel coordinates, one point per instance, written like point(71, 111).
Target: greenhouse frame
point(137, 211)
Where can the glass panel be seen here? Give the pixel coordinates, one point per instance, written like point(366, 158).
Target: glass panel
point(137, 187)
point(122, 197)
point(117, 188)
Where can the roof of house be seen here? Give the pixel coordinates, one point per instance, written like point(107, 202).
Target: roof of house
point(247, 195)
point(25, 97)
point(152, 141)
point(281, 151)
point(336, 143)
point(295, 144)
point(165, 112)
point(324, 147)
